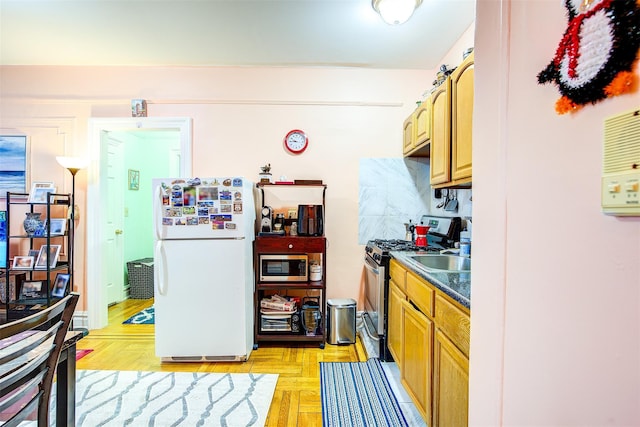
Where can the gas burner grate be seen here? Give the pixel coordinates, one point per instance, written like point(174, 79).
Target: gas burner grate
point(399, 245)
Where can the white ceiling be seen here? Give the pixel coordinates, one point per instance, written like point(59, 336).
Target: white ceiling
point(226, 33)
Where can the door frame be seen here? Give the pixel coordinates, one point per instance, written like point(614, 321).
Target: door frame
point(96, 298)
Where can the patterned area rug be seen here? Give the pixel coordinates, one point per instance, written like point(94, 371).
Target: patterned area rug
point(144, 317)
point(358, 394)
point(136, 398)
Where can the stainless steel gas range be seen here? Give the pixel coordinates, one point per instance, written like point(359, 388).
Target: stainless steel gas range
point(442, 234)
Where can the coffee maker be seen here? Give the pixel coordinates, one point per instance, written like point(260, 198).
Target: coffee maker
point(421, 235)
point(266, 214)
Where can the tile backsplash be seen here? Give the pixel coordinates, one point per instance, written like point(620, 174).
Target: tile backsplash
point(393, 191)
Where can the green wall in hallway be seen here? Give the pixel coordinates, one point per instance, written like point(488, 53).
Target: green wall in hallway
point(154, 155)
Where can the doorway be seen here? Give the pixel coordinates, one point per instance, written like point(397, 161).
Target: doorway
point(97, 253)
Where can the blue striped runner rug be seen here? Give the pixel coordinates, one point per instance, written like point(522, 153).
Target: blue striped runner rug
point(358, 394)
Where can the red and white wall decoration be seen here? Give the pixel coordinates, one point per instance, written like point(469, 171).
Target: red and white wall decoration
point(597, 54)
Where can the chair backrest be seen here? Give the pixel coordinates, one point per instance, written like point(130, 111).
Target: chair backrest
point(29, 351)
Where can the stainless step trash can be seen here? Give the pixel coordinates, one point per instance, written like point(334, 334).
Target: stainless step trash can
point(341, 321)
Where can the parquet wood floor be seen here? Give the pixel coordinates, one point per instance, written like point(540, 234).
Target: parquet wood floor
point(296, 400)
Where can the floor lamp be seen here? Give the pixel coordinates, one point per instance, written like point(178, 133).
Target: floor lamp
point(73, 165)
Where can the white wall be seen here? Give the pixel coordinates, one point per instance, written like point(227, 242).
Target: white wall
point(555, 335)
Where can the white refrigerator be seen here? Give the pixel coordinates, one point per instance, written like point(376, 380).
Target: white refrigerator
point(203, 267)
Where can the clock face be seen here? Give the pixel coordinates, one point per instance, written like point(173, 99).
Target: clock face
point(296, 141)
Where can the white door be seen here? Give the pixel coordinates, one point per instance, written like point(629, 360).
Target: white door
point(113, 218)
point(98, 200)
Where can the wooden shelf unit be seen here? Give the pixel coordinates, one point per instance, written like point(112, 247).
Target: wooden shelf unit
point(312, 246)
point(16, 307)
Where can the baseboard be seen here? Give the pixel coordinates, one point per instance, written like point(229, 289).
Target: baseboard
point(80, 319)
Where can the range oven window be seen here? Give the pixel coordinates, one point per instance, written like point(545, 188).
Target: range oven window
point(283, 268)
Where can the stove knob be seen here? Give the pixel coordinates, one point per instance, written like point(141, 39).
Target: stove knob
point(376, 257)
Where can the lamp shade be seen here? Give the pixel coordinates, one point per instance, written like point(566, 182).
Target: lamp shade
point(395, 12)
point(73, 164)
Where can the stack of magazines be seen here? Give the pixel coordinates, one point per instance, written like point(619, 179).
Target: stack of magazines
point(276, 312)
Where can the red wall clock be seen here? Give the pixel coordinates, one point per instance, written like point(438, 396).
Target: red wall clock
point(296, 141)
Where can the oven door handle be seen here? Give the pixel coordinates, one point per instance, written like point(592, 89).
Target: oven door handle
point(370, 265)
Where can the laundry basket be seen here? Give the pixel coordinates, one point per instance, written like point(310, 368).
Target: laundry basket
point(140, 278)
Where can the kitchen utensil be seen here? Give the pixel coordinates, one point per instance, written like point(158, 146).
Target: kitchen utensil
point(446, 199)
point(452, 204)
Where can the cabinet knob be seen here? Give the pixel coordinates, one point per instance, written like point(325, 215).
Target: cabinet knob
point(118, 231)
point(290, 245)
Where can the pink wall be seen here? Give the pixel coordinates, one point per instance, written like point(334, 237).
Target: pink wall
point(240, 117)
point(556, 283)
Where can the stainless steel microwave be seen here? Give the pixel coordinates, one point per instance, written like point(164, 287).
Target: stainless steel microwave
point(283, 268)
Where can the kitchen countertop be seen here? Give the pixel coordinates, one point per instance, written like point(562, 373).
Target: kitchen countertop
point(456, 285)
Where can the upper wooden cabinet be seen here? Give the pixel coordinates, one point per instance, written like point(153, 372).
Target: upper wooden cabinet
point(451, 128)
point(441, 134)
point(408, 134)
point(417, 131)
point(423, 123)
point(461, 120)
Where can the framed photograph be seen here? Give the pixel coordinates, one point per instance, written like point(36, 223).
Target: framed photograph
point(48, 254)
point(15, 281)
point(34, 253)
point(138, 108)
point(13, 164)
point(23, 262)
point(60, 285)
point(134, 179)
point(33, 289)
point(58, 226)
point(40, 191)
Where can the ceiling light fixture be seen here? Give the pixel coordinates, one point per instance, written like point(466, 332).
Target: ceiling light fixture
point(395, 12)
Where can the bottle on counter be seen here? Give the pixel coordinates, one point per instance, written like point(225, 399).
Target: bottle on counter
point(465, 243)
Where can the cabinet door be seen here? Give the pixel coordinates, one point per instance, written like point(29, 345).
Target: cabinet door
point(441, 134)
point(450, 384)
point(408, 138)
point(394, 332)
point(422, 123)
point(417, 358)
point(461, 119)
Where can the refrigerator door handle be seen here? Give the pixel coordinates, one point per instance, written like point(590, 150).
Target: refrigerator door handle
point(160, 268)
point(157, 209)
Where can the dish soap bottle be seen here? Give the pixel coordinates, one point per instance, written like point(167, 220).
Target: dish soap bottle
point(465, 243)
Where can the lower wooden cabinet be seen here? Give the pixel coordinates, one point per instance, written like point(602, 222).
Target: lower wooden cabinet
point(450, 384)
point(417, 357)
point(396, 297)
point(431, 347)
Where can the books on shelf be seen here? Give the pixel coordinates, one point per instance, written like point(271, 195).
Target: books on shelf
point(278, 303)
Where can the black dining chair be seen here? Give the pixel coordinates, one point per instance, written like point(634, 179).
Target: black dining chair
point(29, 351)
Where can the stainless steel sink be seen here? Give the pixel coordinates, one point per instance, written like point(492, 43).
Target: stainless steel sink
point(443, 262)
